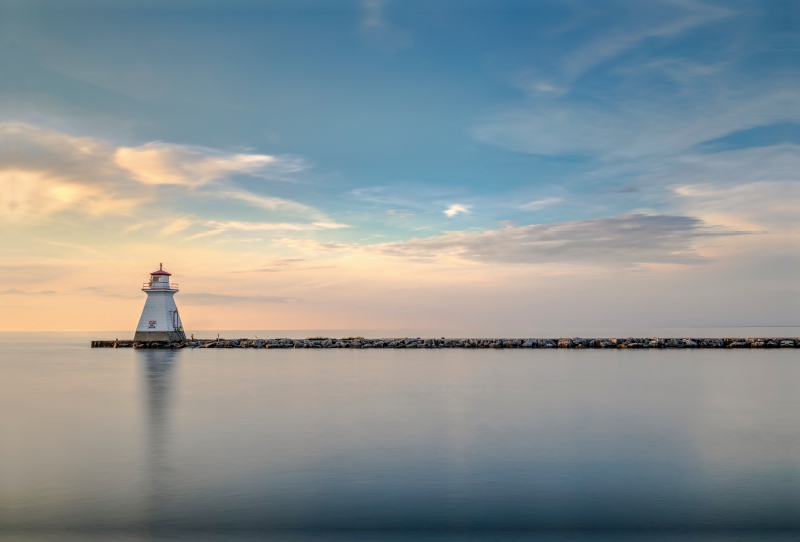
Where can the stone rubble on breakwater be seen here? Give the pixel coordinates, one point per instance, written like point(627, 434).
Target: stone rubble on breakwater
point(360, 342)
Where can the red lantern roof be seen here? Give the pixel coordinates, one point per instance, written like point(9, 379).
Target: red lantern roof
point(160, 271)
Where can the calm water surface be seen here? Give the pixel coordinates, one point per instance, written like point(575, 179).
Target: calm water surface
point(563, 445)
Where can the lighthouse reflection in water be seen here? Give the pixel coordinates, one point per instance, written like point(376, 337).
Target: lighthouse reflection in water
point(157, 375)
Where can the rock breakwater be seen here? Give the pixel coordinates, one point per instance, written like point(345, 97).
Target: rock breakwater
point(360, 342)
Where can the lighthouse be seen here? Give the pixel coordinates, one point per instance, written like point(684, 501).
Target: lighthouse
point(160, 320)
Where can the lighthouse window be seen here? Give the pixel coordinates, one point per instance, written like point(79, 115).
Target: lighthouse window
point(156, 279)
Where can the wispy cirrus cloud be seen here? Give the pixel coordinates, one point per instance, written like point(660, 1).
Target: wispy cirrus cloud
point(272, 226)
point(165, 163)
point(204, 298)
point(278, 266)
point(217, 227)
point(399, 213)
point(756, 188)
point(101, 292)
point(15, 291)
point(382, 195)
point(628, 90)
point(379, 31)
point(635, 24)
point(535, 205)
point(610, 30)
point(269, 203)
point(178, 225)
point(619, 130)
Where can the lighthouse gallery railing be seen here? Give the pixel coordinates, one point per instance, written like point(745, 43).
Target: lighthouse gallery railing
point(149, 286)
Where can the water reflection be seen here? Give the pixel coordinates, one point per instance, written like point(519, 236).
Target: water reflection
point(134, 445)
point(158, 374)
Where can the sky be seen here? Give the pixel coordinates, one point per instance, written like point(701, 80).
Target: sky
point(488, 165)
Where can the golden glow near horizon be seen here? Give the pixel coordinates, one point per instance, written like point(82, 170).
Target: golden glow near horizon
point(85, 227)
point(386, 168)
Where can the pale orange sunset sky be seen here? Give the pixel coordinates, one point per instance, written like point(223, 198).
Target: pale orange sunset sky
point(390, 166)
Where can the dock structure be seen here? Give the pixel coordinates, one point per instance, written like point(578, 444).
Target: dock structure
point(160, 326)
point(360, 342)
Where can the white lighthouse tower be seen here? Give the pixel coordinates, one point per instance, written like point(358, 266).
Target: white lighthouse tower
point(160, 320)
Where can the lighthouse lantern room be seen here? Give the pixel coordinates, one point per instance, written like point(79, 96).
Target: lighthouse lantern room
point(160, 320)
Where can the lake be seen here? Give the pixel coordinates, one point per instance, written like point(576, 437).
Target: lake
point(566, 445)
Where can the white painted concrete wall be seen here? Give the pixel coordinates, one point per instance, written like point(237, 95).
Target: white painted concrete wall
point(159, 308)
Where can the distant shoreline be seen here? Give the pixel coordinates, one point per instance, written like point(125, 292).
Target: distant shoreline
point(360, 342)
